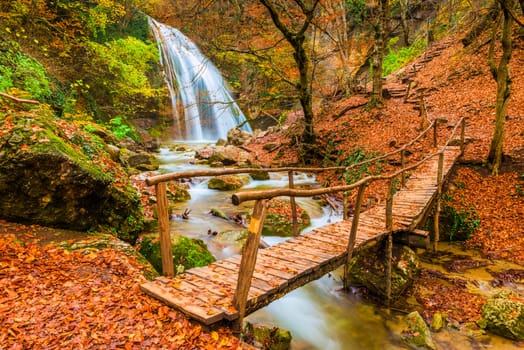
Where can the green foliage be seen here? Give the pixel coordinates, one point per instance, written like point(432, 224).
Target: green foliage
point(456, 224)
point(397, 58)
point(355, 11)
point(122, 130)
point(23, 73)
point(355, 174)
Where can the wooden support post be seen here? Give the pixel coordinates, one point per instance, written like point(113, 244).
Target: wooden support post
point(436, 217)
point(247, 264)
point(293, 204)
point(353, 233)
point(462, 135)
point(163, 229)
point(435, 141)
point(345, 205)
point(403, 164)
point(389, 205)
point(389, 228)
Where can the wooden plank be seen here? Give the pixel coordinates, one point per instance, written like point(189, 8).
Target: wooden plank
point(303, 252)
point(273, 280)
point(320, 248)
point(287, 259)
point(259, 284)
point(188, 305)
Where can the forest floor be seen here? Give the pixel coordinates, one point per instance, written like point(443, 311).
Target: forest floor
point(54, 298)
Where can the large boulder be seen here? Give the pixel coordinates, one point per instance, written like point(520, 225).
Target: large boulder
point(368, 268)
point(504, 315)
point(226, 155)
point(238, 137)
point(227, 182)
point(56, 174)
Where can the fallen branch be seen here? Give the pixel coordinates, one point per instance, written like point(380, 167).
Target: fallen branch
point(19, 100)
point(346, 109)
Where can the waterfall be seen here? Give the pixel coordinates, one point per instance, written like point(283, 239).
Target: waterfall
point(203, 108)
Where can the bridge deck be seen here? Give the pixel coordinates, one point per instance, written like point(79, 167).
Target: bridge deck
point(206, 293)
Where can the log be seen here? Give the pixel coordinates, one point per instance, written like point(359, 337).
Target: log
point(19, 100)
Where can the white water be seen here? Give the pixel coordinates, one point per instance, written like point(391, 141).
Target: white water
point(203, 108)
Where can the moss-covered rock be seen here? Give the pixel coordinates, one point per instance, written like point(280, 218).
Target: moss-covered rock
point(227, 182)
point(417, 334)
point(504, 315)
point(368, 268)
point(55, 173)
point(187, 252)
point(279, 220)
point(267, 337)
point(178, 192)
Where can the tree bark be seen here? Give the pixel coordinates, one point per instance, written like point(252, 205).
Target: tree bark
point(404, 20)
point(297, 39)
point(378, 54)
point(503, 78)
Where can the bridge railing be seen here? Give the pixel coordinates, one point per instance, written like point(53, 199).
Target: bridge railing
point(160, 183)
point(262, 196)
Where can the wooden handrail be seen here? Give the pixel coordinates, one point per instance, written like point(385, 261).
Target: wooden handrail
point(153, 180)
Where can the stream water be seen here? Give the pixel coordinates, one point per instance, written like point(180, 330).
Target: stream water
point(319, 315)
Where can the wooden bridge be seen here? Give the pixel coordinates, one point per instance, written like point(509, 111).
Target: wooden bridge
point(229, 289)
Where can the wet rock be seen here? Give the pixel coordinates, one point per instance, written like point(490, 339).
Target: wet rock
point(238, 137)
point(504, 315)
point(219, 213)
point(417, 334)
point(438, 322)
point(279, 222)
point(142, 161)
point(187, 252)
point(178, 192)
point(267, 337)
point(227, 155)
point(368, 268)
point(227, 182)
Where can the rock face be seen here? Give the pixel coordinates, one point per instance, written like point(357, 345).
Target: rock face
point(54, 176)
point(504, 316)
point(368, 268)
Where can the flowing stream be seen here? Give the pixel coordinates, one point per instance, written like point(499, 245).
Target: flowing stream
point(319, 315)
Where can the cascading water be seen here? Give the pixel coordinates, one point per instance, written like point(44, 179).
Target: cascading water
point(203, 108)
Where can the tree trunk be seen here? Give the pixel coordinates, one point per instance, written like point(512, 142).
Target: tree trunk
point(503, 89)
point(378, 54)
point(297, 39)
point(404, 20)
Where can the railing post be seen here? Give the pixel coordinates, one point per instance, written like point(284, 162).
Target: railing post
point(435, 133)
point(402, 164)
point(353, 233)
point(293, 204)
point(163, 229)
point(345, 205)
point(247, 264)
point(462, 135)
point(436, 217)
point(389, 228)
